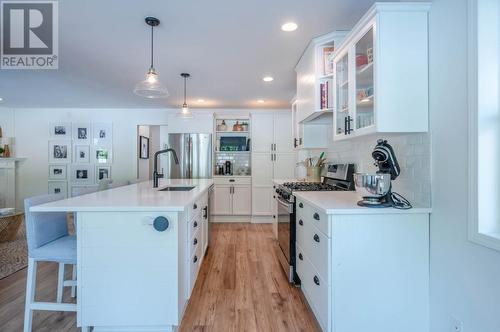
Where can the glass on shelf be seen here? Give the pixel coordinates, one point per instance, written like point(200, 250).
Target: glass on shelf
point(342, 86)
point(365, 81)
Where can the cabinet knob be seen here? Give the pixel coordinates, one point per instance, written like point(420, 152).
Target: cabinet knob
point(195, 206)
point(316, 237)
point(316, 280)
point(195, 259)
point(160, 224)
point(195, 241)
point(195, 224)
point(316, 216)
point(301, 223)
point(301, 257)
point(301, 205)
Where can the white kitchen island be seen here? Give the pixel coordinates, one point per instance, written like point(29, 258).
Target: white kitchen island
point(139, 251)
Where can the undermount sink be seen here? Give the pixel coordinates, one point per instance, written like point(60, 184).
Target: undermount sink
point(177, 188)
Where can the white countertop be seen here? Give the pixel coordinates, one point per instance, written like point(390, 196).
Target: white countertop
point(281, 181)
point(345, 202)
point(135, 197)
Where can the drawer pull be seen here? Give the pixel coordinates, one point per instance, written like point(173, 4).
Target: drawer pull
point(195, 224)
point(316, 280)
point(316, 237)
point(195, 259)
point(195, 241)
point(195, 206)
point(231, 180)
point(160, 224)
point(301, 223)
point(301, 257)
point(301, 205)
point(316, 216)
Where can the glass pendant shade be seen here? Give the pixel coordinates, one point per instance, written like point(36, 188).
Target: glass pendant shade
point(151, 87)
point(185, 112)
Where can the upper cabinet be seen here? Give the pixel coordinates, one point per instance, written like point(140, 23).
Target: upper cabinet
point(381, 73)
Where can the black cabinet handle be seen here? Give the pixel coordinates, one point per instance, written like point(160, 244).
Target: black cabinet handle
point(195, 241)
point(301, 223)
point(195, 206)
point(195, 259)
point(301, 257)
point(195, 224)
point(160, 224)
point(316, 280)
point(301, 205)
point(316, 237)
point(205, 212)
point(316, 216)
point(231, 180)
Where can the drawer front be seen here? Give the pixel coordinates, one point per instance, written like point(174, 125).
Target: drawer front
point(194, 225)
point(315, 289)
point(315, 244)
point(320, 219)
point(232, 180)
point(194, 208)
point(195, 241)
point(194, 266)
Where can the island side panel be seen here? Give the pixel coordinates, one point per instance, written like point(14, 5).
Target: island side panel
point(127, 270)
point(380, 272)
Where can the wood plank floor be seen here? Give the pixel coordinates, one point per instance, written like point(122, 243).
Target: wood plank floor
point(241, 287)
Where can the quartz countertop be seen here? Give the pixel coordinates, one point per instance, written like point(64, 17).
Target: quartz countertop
point(135, 197)
point(281, 181)
point(345, 202)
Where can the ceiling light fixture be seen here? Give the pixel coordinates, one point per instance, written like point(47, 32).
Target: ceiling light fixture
point(151, 87)
point(268, 79)
point(289, 26)
point(185, 113)
point(1, 99)
point(201, 100)
point(260, 101)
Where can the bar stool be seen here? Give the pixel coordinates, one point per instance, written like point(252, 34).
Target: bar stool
point(48, 241)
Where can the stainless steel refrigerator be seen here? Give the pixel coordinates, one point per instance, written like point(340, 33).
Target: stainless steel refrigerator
point(195, 156)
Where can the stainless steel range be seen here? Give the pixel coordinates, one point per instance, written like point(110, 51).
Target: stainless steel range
point(339, 177)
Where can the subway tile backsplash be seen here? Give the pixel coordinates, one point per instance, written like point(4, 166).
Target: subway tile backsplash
point(240, 162)
point(413, 154)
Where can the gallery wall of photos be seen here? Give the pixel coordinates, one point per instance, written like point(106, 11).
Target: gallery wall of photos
point(80, 155)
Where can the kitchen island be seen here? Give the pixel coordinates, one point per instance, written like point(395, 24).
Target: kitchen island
point(139, 250)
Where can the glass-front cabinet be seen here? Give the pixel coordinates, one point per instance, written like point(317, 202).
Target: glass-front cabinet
point(365, 97)
point(342, 117)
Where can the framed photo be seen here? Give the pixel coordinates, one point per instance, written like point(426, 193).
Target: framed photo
point(103, 173)
point(82, 174)
point(82, 154)
point(60, 130)
point(59, 151)
point(103, 133)
point(103, 155)
point(143, 147)
point(58, 187)
point(58, 172)
point(81, 133)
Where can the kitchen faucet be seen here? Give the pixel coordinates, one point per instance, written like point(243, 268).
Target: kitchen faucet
point(157, 175)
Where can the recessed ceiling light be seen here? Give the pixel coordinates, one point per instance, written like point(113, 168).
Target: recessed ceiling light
point(260, 101)
point(1, 99)
point(201, 100)
point(289, 26)
point(268, 79)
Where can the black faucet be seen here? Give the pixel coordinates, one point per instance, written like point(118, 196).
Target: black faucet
point(157, 175)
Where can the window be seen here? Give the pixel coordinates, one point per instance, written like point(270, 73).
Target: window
point(484, 122)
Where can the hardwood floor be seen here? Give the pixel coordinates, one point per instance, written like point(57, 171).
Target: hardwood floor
point(241, 287)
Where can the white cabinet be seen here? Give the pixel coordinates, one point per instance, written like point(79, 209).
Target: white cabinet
point(273, 156)
point(232, 196)
point(382, 73)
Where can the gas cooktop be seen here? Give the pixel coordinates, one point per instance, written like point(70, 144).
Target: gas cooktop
point(309, 186)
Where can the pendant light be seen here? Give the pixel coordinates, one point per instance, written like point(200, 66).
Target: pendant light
point(151, 87)
point(185, 113)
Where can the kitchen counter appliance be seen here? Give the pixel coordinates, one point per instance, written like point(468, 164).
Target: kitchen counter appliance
point(339, 177)
point(194, 152)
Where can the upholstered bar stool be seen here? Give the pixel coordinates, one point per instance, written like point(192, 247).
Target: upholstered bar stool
point(48, 241)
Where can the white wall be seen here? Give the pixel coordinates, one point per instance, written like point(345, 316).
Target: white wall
point(143, 164)
point(465, 277)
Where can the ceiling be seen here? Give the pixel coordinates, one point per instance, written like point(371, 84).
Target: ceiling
point(226, 45)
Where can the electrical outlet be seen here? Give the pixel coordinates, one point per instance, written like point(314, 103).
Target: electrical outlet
point(456, 325)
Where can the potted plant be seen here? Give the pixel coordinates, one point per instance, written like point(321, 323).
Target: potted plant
point(1, 152)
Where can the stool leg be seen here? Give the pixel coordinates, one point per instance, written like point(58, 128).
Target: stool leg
point(73, 288)
point(60, 281)
point(30, 294)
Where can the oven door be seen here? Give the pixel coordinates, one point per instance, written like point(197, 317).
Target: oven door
point(286, 239)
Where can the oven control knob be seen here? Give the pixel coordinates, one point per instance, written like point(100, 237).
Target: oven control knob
point(286, 196)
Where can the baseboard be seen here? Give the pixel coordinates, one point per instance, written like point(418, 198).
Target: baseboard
point(262, 220)
point(223, 219)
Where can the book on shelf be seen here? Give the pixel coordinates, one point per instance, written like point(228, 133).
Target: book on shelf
point(328, 60)
point(326, 100)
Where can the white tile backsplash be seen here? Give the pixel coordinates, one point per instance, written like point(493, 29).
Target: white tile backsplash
point(413, 154)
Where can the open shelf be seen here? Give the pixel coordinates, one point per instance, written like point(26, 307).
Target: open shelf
point(232, 132)
point(235, 152)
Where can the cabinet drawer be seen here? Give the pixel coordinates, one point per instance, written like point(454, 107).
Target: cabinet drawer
point(195, 208)
point(232, 180)
point(194, 225)
point(320, 219)
point(195, 241)
point(315, 289)
point(315, 244)
point(194, 266)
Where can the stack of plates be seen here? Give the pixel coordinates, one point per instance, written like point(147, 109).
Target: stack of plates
point(6, 211)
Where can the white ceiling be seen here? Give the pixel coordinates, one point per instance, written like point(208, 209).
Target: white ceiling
point(226, 45)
